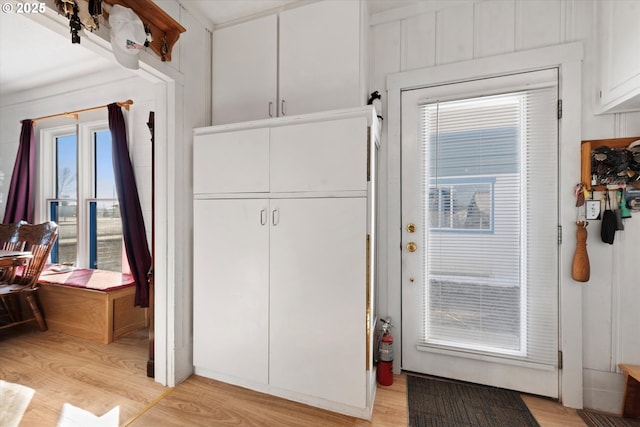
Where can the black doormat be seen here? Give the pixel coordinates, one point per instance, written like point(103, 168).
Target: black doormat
point(441, 403)
point(597, 419)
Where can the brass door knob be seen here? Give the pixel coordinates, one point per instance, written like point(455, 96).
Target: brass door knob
point(411, 247)
point(411, 228)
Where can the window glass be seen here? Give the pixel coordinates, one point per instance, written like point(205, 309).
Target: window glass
point(106, 230)
point(64, 210)
point(85, 203)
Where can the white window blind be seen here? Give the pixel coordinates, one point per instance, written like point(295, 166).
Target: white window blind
point(490, 180)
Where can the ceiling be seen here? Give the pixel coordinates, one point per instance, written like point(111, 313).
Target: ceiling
point(33, 56)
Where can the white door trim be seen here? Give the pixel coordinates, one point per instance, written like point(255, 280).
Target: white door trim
point(165, 79)
point(568, 57)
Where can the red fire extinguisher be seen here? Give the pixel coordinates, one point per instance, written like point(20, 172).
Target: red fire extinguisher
point(384, 373)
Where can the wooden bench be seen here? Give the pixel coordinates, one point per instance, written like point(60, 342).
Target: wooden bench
point(631, 406)
point(92, 304)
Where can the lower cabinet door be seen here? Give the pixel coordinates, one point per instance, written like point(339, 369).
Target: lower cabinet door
point(317, 298)
point(231, 288)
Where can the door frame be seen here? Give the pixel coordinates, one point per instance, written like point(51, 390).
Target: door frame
point(568, 58)
point(173, 350)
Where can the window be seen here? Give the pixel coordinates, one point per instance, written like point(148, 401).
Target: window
point(487, 181)
point(461, 204)
point(82, 197)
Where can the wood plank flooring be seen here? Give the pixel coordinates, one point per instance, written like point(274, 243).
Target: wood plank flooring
point(97, 377)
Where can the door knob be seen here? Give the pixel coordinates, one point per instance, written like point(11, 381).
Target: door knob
point(411, 246)
point(411, 227)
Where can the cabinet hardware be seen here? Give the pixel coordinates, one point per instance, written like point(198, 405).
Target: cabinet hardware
point(412, 247)
point(275, 217)
point(282, 109)
point(263, 217)
point(411, 227)
point(270, 109)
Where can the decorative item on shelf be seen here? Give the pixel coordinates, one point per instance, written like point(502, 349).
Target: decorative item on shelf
point(161, 30)
point(611, 162)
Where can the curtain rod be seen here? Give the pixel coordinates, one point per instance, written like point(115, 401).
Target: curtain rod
point(74, 114)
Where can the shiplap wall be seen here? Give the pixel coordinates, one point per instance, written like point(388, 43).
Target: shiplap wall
point(440, 32)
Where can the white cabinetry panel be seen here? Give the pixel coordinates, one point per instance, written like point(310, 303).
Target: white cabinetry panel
point(317, 322)
point(284, 238)
point(245, 70)
point(320, 56)
point(231, 301)
point(310, 58)
point(323, 156)
point(620, 56)
point(232, 162)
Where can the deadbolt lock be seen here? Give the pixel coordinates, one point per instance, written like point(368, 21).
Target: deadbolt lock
point(411, 247)
point(411, 227)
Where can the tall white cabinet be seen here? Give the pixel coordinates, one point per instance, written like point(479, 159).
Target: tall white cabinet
point(284, 237)
point(305, 59)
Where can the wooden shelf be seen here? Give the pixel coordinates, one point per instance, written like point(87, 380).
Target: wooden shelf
point(164, 29)
point(588, 146)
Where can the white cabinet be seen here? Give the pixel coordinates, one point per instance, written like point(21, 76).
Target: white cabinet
point(306, 59)
point(245, 71)
point(318, 272)
point(315, 156)
point(283, 272)
point(231, 302)
point(619, 56)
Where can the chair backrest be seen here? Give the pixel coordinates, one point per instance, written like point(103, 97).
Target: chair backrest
point(9, 238)
point(39, 240)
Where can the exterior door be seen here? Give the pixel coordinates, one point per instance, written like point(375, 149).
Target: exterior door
point(479, 238)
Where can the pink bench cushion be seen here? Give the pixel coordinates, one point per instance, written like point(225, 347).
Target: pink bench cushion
point(100, 280)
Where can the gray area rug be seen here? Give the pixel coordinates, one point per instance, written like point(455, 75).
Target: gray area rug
point(597, 419)
point(441, 403)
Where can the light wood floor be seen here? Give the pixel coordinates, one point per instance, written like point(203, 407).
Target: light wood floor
point(97, 377)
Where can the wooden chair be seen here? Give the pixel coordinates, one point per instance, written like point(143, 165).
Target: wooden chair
point(38, 239)
point(9, 241)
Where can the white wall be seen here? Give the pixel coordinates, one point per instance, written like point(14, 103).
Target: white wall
point(435, 33)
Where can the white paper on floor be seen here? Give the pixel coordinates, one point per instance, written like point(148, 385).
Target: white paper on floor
point(14, 399)
point(73, 416)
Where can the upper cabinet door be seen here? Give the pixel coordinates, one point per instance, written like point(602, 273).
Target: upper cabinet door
point(244, 68)
point(619, 57)
point(231, 162)
point(319, 156)
point(320, 54)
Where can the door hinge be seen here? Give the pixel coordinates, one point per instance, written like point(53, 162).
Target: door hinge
point(559, 359)
point(559, 234)
point(559, 108)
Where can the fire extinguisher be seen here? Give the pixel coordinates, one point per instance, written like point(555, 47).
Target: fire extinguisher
point(384, 373)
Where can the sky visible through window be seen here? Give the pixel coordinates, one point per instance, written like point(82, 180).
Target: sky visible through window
point(67, 170)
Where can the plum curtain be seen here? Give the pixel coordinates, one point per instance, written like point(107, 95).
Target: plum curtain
point(133, 229)
point(20, 203)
